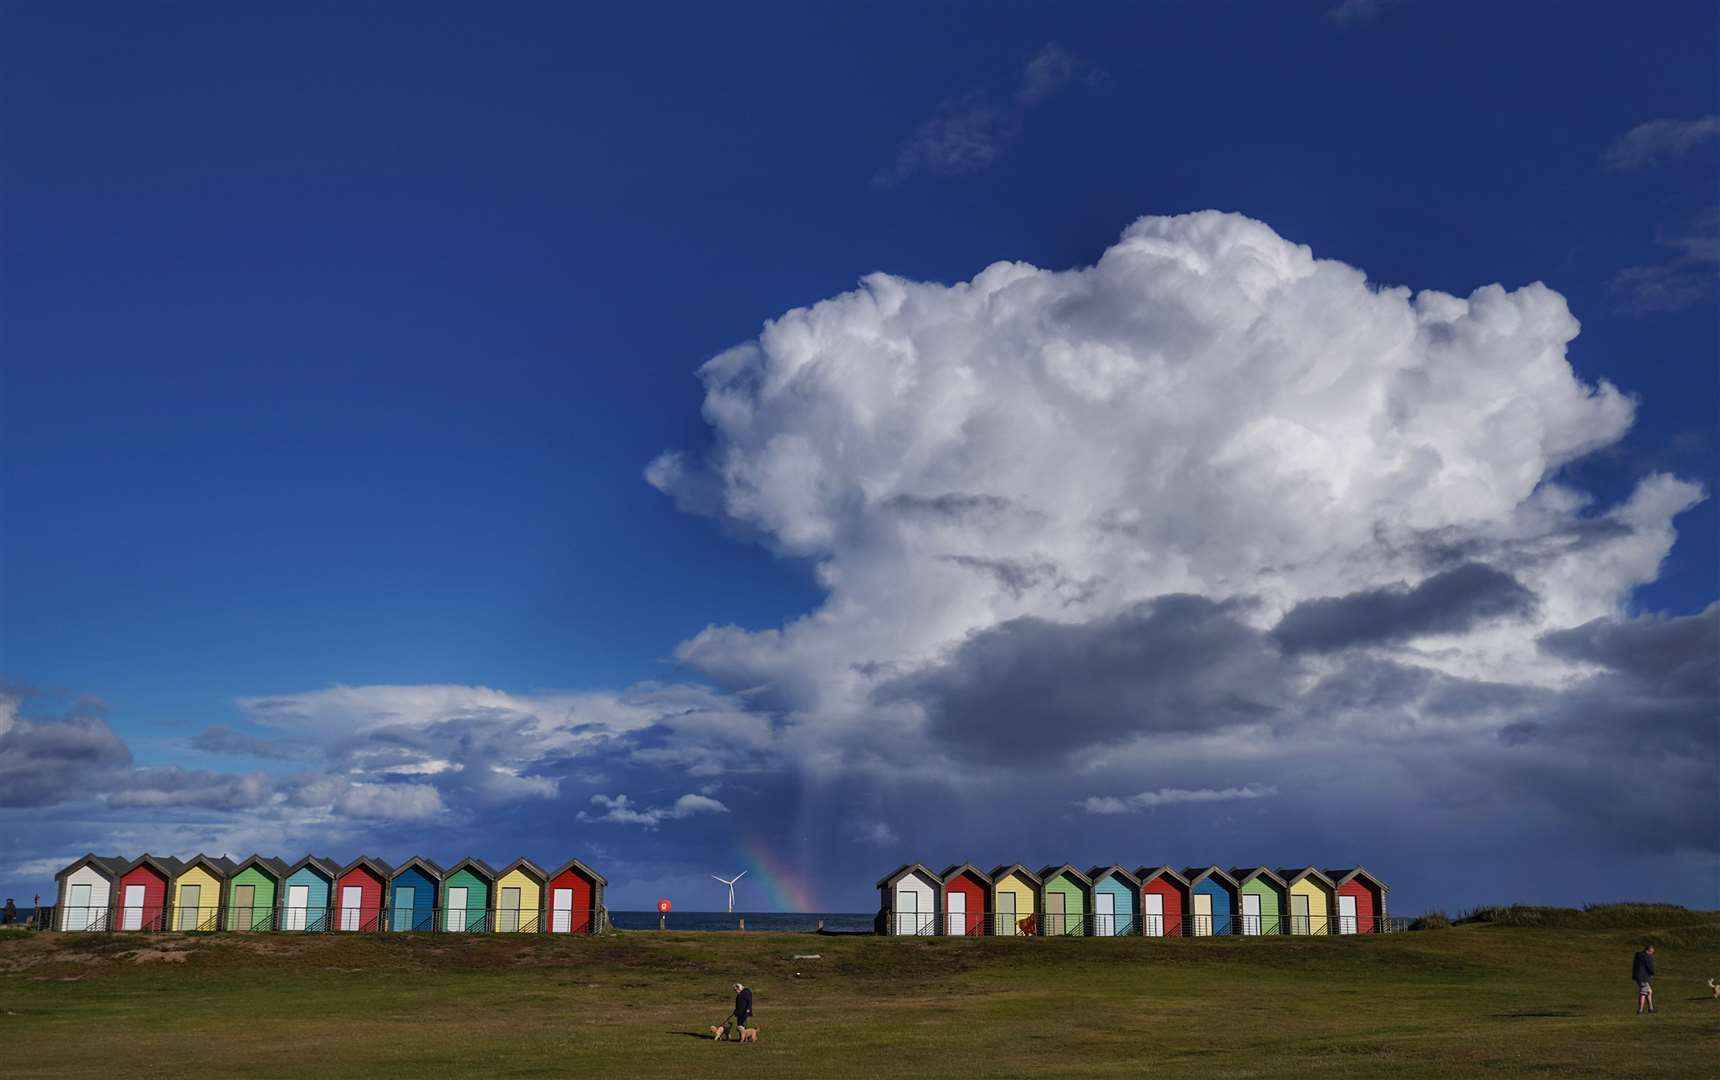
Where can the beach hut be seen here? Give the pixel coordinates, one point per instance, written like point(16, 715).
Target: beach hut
point(1063, 901)
point(143, 892)
point(1361, 899)
point(85, 892)
point(466, 896)
point(1260, 895)
point(1014, 901)
point(412, 892)
point(908, 900)
point(1311, 904)
point(1212, 901)
point(253, 889)
point(195, 893)
point(1114, 892)
point(575, 897)
point(358, 893)
point(519, 898)
point(1164, 901)
point(305, 893)
point(966, 888)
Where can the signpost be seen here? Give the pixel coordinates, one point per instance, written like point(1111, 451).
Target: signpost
point(663, 907)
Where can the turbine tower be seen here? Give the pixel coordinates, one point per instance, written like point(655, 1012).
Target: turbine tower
point(730, 882)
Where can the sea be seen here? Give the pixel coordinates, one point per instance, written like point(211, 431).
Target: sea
point(779, 922)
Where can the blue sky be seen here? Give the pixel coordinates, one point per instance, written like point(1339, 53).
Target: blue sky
point(338, 342)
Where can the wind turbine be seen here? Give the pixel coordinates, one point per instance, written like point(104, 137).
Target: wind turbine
point(730, 882)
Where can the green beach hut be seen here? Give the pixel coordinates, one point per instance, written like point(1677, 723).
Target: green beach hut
point(1065, 899)
point(1260, 900)
point(466, 896)
point(253, 892)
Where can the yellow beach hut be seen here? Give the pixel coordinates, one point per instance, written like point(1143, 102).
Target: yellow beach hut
point(1311, 903)
point(1014, 901)
point(195, 892)
point(519, 898)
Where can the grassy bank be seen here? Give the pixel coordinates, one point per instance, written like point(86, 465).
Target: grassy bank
point(1484, 996)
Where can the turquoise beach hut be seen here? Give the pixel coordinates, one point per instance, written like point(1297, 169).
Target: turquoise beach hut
point(1114, 892)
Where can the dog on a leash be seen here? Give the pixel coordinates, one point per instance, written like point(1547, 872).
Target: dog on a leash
point(749, 1034)
point(1714, 986)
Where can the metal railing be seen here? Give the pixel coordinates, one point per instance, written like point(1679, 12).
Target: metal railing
point(320, 919)
point(200, 918)
point(83, 918)
point(1127, 924)
point(248, 919)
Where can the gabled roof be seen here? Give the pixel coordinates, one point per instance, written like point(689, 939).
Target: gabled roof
point(1099, 873)
point(1051, 873)
point(219, 866)
point(903, 871)
point(1245, 874)
point(1341, 878)
point(165, 865)
point(964, 868)
point(1000, 872)
point(275, 868)
point(328, 868)
point(376, 866)
point(1292, 876)
point(584, 871)
point(484, 869)
point(430, 869)
point(1148, 873)
point(109, 866)
point(528, 866)
point(1195, 875)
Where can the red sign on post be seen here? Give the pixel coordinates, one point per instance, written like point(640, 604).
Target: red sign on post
point(663, 906)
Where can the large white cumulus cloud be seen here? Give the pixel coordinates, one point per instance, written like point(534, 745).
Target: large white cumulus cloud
point(1208, 409)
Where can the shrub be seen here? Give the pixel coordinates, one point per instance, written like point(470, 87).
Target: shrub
point(1431, 920)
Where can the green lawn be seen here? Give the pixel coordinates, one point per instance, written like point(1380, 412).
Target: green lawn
point(1454, 1002)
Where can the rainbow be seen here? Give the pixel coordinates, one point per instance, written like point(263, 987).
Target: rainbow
point(785, 888)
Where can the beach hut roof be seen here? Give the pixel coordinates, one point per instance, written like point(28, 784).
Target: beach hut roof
point(903, 871)
point(528, 866)
point(1048, 873)
point(1244, 875)
point(1000, 872)
point(575, 864)
point(376, 866)
point(1100, 873)
point(484, 869)
point(1340, 878)
point(165, 865)
point(274, 867)
point(950, 873)
point(430, 869)
point(1291, 876)
point(218, 865)
point(109, 865)
point(328, 868)
point(1148, 873)
point(1195, 875)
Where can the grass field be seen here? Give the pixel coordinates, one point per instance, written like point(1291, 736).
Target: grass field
point(1463, 1001)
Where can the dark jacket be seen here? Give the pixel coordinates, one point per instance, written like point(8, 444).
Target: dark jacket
point(743, 1006)
point(1642, 967)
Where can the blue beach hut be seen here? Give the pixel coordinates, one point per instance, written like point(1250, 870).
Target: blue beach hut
point(412, 893)
point(1212, 901)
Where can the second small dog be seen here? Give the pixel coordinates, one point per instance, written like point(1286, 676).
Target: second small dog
point(1714, 986)
point(749, 1034)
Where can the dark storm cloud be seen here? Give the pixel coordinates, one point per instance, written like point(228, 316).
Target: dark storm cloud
point(229, 743)
point(1448, 602)
point(953, 505)
point(1030, 688)
point(53, 759)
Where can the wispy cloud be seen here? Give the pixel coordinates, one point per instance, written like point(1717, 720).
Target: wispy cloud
point(621, 810)
point(1148, 800)
point(968, 132)
point(1681, 281)
point(1657, 141)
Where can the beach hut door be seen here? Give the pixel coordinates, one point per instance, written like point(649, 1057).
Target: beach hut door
point(405, 905)
point(907, 911)
point(351, 900)
point(244, 915)
point(1006, 913)
point(189, 895)
point(133, 919)
point(1346, 914)
point(1299, 922)
point(510, 910)
point(1104, 914)
point(1202, 914)
point(298, 899)
point(1250, 913)
point(563, 901)
point(1055, 906)
point(78, 916)
point(1155, 915)
point(955, 912)
point(457, 909)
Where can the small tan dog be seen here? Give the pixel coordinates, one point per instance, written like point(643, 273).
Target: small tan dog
point(1714, 986)
point(749, 1034)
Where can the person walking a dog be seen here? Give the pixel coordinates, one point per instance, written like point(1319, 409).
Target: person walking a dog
point(735, 1026)
point(1642, 973)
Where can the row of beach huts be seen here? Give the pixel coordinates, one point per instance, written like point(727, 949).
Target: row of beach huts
point(1110, 901)
point(208, 892)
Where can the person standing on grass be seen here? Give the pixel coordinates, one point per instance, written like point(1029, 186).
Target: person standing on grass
point(10, 913)
point(743, 1012)
point(1642, 973)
